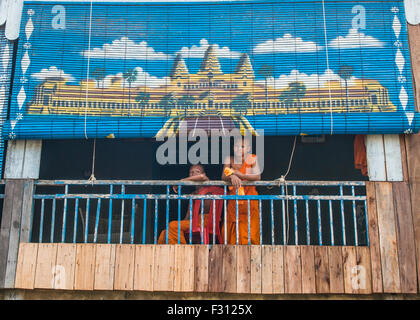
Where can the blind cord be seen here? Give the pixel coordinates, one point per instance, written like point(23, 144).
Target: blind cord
point(88, 68)
point(328, 64)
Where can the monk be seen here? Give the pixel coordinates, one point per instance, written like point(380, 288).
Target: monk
point(196, 173)
point(247, 170)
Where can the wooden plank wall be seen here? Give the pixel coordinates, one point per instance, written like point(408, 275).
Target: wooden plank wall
point(412, 149)
point(197, 268)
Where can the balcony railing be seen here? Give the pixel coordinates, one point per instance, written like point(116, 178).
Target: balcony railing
point(292, 213)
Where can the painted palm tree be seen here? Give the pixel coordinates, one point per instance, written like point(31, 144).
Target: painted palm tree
point(99, 75)
point(241, 103)
point(295, 91)
point(143, 99)
point(186, 101)
point(130, 76)
point(266, 71)
point(345, 73)
point(168, 102)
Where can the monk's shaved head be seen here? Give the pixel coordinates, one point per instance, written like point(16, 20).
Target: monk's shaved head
point(196, 169)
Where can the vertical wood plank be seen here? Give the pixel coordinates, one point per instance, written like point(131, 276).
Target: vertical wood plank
point(375, 156)
point(14, 159)
point(32, 160)
point(374, 245)
point(144, 266)
point(201, 265)
point(404, 157)
point(243, 268)
point(267, 269)
point(229, 268)
point(415, 205)
point(394, 170)
point(256, 276)
point(216, 268)
point(322, 272)
point(179, 267)
point(335, 261)
point(13, 234)
point(405, 236)
point(85, 266)
point(308, 269)
point(292, 269)
point(184, 268)
point(278, 269)
point(350, 271)
point(189, 269)
point(163, 273)
point(6, 221)
point(104, 267)
point(65, 266)
point(45, 266)
point(388, 237)
point(26, 266)
point(27, 203)
point(124, 267)
point(363, 262)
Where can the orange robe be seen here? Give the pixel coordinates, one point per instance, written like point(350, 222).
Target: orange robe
point(243, 215)
point(173, 231)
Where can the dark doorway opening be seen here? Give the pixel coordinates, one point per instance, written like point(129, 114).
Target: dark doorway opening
point(329, 159)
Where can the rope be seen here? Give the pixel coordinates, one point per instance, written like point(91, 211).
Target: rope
point(282, 181)
point(92, 178)
point(328, 64)
point(88, 67)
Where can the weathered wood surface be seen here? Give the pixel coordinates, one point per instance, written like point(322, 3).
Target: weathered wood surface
point(405, 236)
point(278, 269)
point(292, 269)
point(393, 162)
point(373, 231)
point(25, 271)
point(9, 232)
point(104, 267)
point(243, 268)
point(308, 269)
point(256, 274)
point(85, 266)
point(23, 159)
point(184, 268)
point(322, 272)
point(164, 261)
point(267, 269)
point(201, 266)
point(65, 266)
point(229, 268)
point(387, 237)
point(144, 264)
point(335, 264)
point(350, 270)
point(233, 269)
point(46, 266)
point(215, 282)
point(124, 267)
point(375, 155)
point(412, 141)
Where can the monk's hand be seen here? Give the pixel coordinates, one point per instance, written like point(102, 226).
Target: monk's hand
point(236, 182)
point(175, 188)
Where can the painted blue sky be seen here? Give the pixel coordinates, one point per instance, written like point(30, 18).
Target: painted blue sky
point(287, 35)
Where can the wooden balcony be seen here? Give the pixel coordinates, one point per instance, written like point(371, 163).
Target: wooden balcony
point(386, 265)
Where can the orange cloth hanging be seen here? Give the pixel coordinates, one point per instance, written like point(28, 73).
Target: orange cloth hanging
point(360, 160)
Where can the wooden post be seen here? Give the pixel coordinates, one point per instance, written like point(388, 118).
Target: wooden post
point(22, 166)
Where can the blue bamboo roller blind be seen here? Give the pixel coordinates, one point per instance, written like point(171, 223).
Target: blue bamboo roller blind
point(139, 69)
